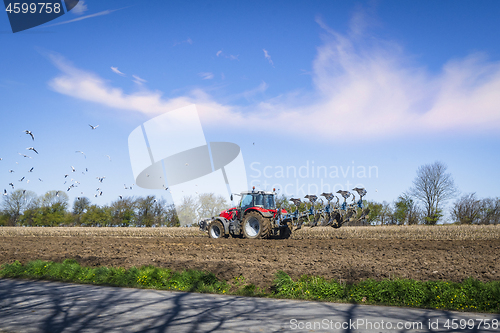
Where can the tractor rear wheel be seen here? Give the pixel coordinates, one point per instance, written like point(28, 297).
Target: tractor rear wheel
point(216, 230)
point(256, 226)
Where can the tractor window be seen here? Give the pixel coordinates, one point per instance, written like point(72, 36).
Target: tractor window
point(246, 201)
point(259, 201)
point(269, 202)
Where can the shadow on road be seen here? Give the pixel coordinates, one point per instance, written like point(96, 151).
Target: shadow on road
point(36, 306)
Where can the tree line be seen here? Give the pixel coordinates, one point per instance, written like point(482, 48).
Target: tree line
point(423, 203)
point(25, 208)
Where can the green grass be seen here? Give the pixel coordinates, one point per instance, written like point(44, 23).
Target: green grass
point(470, 295)
point(145, 277)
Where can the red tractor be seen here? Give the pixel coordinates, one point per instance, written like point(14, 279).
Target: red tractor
point(256, 216)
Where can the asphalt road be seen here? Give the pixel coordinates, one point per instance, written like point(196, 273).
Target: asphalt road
point(37, 306)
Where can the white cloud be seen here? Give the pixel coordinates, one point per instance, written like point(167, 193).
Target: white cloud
point(360, 92)
point(115, 69)
point(268, 57)
point(206, 75)
point(80, 8)
point(219, 52)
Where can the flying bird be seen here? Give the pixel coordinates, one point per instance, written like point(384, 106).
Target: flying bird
point(11, 171)
point(11, 184)
point(30, 133)
point(57, 193)
point(79, 151)
point(31, 170)
point(4, 192)
point(40, 179)
point(66, 176)
point(31, 148)
point(24, 156)
point(21, 179)
point(73, 169)
point(109, 157)
point(93, 127)
point(100, 179)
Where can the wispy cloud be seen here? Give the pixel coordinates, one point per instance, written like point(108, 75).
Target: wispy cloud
point(248, 94)
point(362, 90)
point(80, 8)
point(138, 80)
point(104, 12)
point(115, 69)
point(187, 41)
point(206, 75)
point(231, 57)
point(268, 57)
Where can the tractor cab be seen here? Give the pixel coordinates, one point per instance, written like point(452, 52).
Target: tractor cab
point(258, 199)
point(261, 201)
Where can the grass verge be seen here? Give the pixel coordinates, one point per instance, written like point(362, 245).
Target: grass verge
point(470, 295)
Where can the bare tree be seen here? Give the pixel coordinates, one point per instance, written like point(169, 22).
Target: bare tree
point(433, 186)
point(186, 211)
point(52, 197)
point(467, 210)
point(210, 205)
point(16, 203)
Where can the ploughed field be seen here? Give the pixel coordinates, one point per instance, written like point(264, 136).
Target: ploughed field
point(347, 254)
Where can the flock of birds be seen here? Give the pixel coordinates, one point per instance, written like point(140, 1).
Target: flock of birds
point(71, 183)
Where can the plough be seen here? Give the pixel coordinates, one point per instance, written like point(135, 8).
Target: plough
point(329, 214)
point(257, 216)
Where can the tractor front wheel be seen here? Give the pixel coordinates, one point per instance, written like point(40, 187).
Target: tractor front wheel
point(256, 226)
point(216, 230)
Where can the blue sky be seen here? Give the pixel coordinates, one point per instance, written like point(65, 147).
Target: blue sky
point(384, 86)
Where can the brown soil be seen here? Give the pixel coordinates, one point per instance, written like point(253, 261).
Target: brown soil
point(257, 260)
